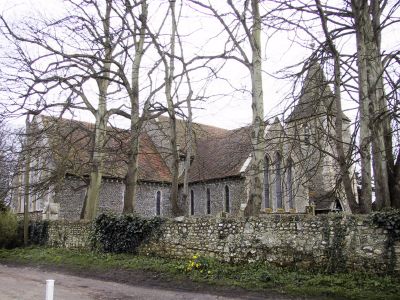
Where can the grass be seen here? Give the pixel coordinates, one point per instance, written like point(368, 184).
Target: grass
point(254, 276)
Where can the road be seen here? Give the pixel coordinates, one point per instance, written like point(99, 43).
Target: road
point(26, 283)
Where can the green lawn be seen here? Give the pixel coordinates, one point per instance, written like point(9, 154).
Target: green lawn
point(255, 276)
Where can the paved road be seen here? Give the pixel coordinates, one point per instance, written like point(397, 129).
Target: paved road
point(25, 283)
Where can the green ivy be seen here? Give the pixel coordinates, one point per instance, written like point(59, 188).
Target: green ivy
point(122, 233)
point(390, 221)
point(336, 260)
point(39, 232)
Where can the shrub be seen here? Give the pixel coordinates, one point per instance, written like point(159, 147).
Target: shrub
point(122, 233)
point(8, 229)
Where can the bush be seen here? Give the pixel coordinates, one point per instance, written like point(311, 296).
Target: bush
point(8, 229)
point(122, 233)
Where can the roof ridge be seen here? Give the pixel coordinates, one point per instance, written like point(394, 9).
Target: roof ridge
point(54, 118)
point(196, 123)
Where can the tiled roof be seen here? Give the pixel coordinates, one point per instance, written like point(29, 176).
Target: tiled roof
point(71, 145)
point(222, 156)
point(217, 153)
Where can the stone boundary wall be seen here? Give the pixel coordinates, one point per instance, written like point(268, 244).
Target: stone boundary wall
point(330, 242)
point(33, 216)
point(69, 234)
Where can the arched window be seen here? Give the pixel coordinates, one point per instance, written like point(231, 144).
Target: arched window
point(158, 203)
point(208, 202)
point(278, 180)
point(266, 182)
point(306, 133)
point(191, 202)
point(290, 182)
point(227, 200)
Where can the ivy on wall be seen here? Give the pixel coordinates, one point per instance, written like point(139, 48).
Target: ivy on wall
point(389, 220)
point(122, 233)
point(334, 235)
point(38, 232)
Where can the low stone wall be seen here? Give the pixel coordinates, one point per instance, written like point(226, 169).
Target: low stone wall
point(331, 242)
point(33, 215)
point(69, 234)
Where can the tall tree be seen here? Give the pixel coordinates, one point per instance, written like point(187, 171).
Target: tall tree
point(367, 66)
point(344, 166)
point(138, 33)
point(74, 58)
point(243, 32)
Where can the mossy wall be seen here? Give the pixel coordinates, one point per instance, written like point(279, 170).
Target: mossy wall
point(329, 242)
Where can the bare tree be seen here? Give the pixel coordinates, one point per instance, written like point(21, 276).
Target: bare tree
point(138, 33)
point(246, 16)
point(75, 61)
point(360, 75)
point(344, 166)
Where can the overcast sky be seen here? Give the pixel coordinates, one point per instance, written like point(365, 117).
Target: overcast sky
point(231, 110)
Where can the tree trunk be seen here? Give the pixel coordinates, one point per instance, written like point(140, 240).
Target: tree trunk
point(257, 161)
point(133, 170)
point(189, 146)
point(396, 183)
point(385, 114)
point(172, 120)
point(381, 137)
point(26, 181)
point(365, 200)
point(343, 165)
point(132, 176)
point(370, 66)
point(96, 174)
point(93, 193)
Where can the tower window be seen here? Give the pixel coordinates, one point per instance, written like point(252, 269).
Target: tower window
point(266, 182)
point(306, 134)
point(278, 181)
point(290, 183)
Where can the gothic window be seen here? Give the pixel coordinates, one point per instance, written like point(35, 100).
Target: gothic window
point(306, 129)
point(227, 200)
point(278, 180)
point(191, 202)
point(266, 182)
point(38, 204)
point(208, 202)
point(158, 203)
point(289, 173)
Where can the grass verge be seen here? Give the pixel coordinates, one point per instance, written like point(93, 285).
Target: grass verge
point(254, 276)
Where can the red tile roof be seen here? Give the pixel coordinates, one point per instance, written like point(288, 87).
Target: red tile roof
point(217, 152)
point(71, 144)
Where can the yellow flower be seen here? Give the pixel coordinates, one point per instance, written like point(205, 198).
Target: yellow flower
point(195, 256)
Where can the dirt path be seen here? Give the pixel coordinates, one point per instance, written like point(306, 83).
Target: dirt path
point(29, 283)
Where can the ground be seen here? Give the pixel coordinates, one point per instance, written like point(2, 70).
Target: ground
point(24, 282)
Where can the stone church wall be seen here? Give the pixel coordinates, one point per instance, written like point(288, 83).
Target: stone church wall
point(237, 192)
point(72, 195)
point(329, 241)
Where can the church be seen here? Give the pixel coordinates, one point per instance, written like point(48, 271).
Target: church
point(300, 165)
